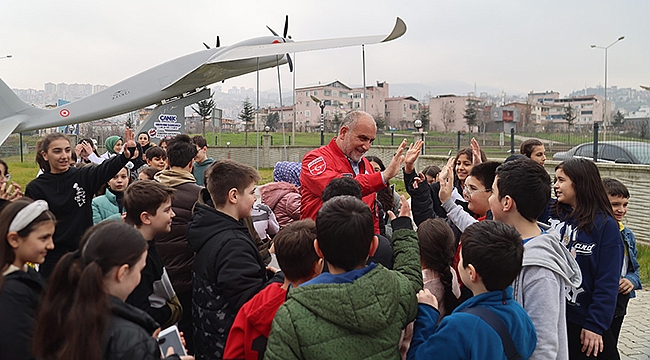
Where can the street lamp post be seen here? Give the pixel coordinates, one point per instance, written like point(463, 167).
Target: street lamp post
point(321, 104)
point(605, 105)
point(418, 125)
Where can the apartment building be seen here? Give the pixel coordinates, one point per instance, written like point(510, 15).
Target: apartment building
point(548, 109)
point(446, 113)
point(400, 112)
point(338, 99)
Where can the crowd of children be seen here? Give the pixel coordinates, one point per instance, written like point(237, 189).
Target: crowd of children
point(103, 252)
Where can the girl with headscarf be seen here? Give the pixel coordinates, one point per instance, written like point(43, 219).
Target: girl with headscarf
point(113, 147)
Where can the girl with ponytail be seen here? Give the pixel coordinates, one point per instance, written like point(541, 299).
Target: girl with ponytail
point(84, 315)
point(437, 251)
point(69, 190)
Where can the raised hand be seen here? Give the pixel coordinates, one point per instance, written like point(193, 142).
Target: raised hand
point(476, 152)
point(412, 154)
point(395, 163)
point(129, 142)
point(446, 180)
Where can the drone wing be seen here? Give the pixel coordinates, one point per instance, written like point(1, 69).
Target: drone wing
point(232, 62)
point(251, 52)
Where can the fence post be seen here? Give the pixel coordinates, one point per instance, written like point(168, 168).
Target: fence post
point(458, 142)
point(512, 141)
point(595, 141)
point(216, 137)
point(21, 148)
point(392, 138)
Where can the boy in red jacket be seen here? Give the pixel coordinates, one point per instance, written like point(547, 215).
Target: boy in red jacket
point(294, 248)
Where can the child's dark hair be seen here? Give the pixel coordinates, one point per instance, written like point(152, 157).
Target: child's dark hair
point(485, 172)
point(528, 146)
point(144, 195)
point(591, 196)
point(431, 170)
point(76, 310)
point(102, 189)
point(495, 250)
point(155, 152)
point(163, 141)
point(527, 183)
point(144, 132)
point(345, 230)
point(9, 212)
point(150, 172)
point(224, 175)
point(616, 188)
point(437, 253)
point(199, 141)
point(42, 146)
point(180, 151)
point(468, 152)
point(342, 186)
point(294, 248)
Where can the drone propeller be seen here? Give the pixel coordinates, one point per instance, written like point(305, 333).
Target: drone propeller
point(285, 36)
point(218, 43)
point(290, 63)
point(286, 26)
point(272, 32)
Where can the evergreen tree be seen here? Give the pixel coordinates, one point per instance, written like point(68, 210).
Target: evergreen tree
point(569, 116)
point(129, 123)
point(423, 115)
point(618, 119)
point(471, 114)
point(272, 121)
point(247, 115)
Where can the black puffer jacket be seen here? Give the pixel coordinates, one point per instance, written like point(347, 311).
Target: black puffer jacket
point(227, 272)
point(176, 253)
point(19, 299)
point(129, 334)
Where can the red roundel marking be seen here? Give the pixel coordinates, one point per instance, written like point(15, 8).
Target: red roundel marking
point(152, 132)
point(64, 112)
point(317, 166)
point(276, 41)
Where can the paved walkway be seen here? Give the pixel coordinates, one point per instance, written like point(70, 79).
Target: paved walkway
point(634, 340)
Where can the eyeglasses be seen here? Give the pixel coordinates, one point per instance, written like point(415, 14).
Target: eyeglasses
point(467, 192)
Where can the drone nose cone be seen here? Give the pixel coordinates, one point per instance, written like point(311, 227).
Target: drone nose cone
point(276, 41)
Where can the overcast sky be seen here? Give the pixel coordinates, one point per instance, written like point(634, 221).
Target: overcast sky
point(516, 46)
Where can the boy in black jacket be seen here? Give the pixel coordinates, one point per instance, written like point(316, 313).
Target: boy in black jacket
point(148, 207)
point(228, 269)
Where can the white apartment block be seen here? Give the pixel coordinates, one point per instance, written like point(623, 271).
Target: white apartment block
point(548, 108)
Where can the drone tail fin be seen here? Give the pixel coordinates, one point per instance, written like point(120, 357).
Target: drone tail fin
point(10, 104)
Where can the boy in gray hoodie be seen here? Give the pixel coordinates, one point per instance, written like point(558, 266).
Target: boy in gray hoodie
point(521, 191)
